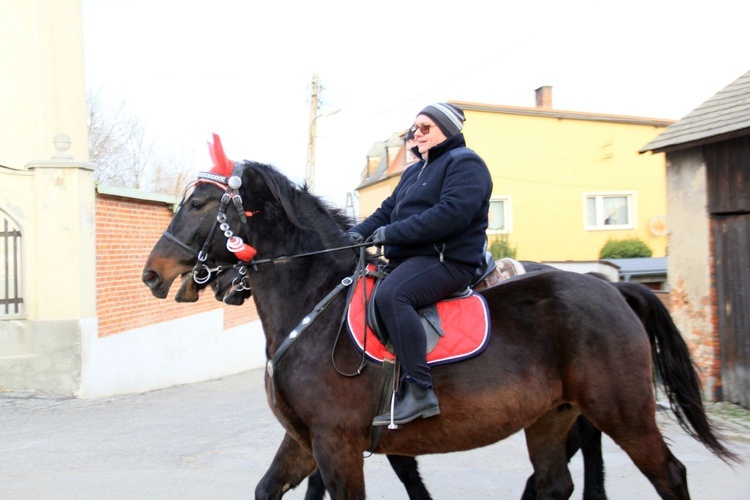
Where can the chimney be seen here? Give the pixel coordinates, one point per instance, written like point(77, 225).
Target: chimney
point(544, 97)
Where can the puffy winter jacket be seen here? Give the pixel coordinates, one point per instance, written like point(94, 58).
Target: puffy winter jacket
point(438, 208)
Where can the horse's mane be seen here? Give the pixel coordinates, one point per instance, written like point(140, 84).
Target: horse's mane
point(301, 207)
point(339, 215)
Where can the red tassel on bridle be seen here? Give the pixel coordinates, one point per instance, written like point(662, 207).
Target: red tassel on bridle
point(222, 165)
point(240, 249)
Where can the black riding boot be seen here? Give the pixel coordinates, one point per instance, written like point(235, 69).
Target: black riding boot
point(415, 402)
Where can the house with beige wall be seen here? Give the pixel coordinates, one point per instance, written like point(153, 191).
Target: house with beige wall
point(75, 318)
point(44, 93)
point(46, 197)
point(565, 182)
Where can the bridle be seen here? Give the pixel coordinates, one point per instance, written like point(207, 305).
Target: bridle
point(201, 272)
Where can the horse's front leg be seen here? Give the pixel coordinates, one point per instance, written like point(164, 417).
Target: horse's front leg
point(291, 465)
point(341, 463)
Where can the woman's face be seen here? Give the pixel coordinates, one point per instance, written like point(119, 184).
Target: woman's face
point(427, 134)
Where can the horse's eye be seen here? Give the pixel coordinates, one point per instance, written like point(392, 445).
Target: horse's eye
point(196, 205)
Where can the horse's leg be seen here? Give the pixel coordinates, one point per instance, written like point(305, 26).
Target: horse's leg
point(341, 464)
point(291, 465)
point(545, 440)
point(529, 492)
point(316, 489)
point(639, 436)
point(407, 470)
point(587, 438)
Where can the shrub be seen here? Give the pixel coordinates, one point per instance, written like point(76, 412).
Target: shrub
point(500, 247)
point(625, 249)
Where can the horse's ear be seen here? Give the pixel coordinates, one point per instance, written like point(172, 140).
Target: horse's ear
point(222, 165)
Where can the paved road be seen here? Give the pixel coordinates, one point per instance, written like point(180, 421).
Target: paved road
point(214, 440)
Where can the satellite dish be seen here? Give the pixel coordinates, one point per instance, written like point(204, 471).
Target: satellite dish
point(658, 225)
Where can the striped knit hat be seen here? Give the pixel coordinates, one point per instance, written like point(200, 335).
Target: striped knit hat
point(449, 118)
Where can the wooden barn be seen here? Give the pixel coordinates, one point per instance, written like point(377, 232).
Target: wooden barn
point(708, 210)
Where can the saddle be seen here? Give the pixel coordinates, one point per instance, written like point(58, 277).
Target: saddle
point(456, 328)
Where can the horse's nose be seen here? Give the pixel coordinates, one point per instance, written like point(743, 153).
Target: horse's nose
point(151, 278)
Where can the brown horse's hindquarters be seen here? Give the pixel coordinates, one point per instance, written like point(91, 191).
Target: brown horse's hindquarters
point(544, 352)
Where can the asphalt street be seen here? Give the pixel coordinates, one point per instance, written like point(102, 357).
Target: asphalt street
point(214, 440)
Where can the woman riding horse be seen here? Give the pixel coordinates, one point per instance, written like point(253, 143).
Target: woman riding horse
point(433, 228)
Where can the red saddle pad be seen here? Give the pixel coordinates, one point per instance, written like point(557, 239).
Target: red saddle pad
point(465, 321)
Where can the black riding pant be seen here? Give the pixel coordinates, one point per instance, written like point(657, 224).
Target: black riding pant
point(412, 284)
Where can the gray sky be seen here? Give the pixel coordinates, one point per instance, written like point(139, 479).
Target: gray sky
point(242, 68)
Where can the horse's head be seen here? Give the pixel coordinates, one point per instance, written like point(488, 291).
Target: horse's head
point(188, 247)
point(232, 287)
point(205, 234)
point(229, 212)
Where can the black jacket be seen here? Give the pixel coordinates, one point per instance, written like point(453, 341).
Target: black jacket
point(438, 207)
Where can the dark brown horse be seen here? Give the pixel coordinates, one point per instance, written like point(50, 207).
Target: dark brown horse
point(563, 344)
point(232, 287)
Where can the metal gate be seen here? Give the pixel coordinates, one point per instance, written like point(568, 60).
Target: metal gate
point(11, 299)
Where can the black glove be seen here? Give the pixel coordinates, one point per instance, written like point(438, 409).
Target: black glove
point(378, 237)
point(355, 237)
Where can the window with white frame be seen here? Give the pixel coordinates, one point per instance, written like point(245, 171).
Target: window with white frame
point(499, 215)
point(609, 210)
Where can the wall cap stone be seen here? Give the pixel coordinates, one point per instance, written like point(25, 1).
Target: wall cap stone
point(136, 194)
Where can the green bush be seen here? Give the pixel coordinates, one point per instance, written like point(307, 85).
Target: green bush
point(625, 249)
point(500, 247)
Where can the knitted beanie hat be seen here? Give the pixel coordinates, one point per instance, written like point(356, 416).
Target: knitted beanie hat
point(449, 118)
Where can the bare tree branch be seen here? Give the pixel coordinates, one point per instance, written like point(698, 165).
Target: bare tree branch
point(125, 155)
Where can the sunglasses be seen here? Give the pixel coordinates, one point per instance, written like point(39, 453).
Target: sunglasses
point(424, 129)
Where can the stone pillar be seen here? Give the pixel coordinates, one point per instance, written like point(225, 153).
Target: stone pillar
point(43, 351)
point(65, 252)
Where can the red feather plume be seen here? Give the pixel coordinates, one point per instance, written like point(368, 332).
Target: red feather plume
point(222, 165)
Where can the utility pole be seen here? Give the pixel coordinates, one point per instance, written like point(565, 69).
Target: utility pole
point(310, 170)
point(315, 90)
point(349, 209)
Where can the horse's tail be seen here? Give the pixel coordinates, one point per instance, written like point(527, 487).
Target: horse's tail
point(674, 367)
